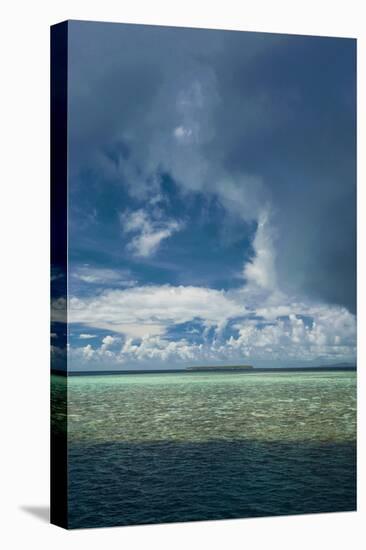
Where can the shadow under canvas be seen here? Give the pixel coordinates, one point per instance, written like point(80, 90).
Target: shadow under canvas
point(40, 512)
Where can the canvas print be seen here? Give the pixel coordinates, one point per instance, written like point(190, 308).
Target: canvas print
point(203, 337)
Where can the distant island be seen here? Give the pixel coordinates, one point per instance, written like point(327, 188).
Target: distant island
point(210, 368)
point(220, 368)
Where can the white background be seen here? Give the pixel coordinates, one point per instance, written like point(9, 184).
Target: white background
point(24, 318)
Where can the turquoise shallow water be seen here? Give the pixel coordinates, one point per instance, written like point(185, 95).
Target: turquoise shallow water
point(174, 447)
point(199, 407)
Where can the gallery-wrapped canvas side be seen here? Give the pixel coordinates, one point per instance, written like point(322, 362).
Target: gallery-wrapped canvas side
point(59, 51)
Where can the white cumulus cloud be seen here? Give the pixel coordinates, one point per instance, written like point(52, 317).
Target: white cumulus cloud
point(151, 309)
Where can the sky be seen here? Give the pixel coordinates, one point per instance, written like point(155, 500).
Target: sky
point(211, 189)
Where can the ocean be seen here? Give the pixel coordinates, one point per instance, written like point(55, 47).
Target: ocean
point(151, 448)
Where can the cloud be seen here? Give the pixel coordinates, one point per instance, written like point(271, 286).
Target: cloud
point(87, 352)
point(151, 309)
point(183, 133)
point(217, 120)
point(290, 340)
point(257, 321)
point(107, 342)
point(273, 331)
point(102, 276)
point(148, 233)
point(86, 336)
point(276, 151)
point(261, 271)
point(291, 337)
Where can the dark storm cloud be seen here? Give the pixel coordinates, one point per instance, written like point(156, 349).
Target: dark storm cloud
point(302, 140)
point(252, 118)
